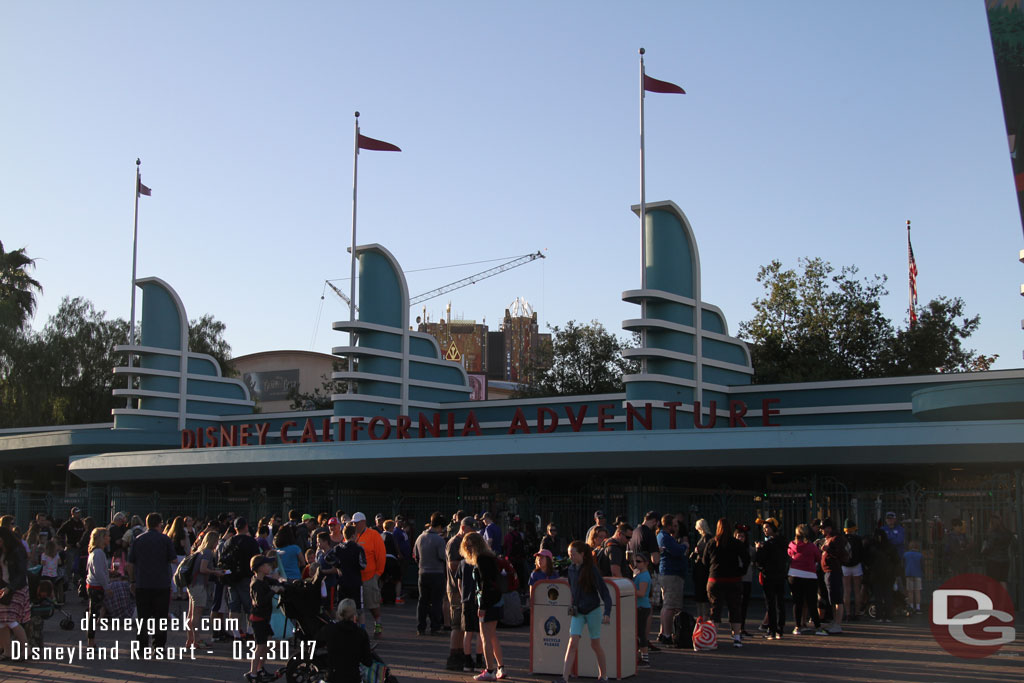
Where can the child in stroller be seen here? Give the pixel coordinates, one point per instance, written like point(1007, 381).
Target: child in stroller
point(335, 642)
point(40, 592)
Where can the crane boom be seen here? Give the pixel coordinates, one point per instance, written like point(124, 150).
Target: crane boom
point(473, 279)
point(343, 295)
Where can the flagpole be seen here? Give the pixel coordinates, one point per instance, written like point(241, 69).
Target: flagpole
point(643, 217)
point(352, 260)
point(135, 252)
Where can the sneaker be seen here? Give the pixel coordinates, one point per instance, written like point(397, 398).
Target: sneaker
point(768, 636)
point(665, 640)
point(485, 675)
point(251, 678)
point(763, 628)
point(644, 662)
point(378, 630)
point(653, 648)
point(745, 634)
point(500, 673)
point(399, 601)
point(835, 630)
point(796, 630)
point(821, 632)
point(778, 636)
point(736, 642)
point(264, 676)
point(468, 664)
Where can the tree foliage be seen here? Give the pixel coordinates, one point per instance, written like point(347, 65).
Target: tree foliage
point(320, 397)
point(206, 335)
point(823, 324)
point(63, 374)
point(17, 288)
point(579, 360)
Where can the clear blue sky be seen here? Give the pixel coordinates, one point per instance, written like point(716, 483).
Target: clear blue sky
point(809, 129)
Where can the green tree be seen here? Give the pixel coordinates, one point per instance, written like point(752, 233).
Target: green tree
point(936, 342)
point(17, 288)
point(579, 360)
point(206, 335)
point(821, 324)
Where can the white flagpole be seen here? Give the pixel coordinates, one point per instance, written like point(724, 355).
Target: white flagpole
point(352, 274)
point(643, 217)
point(135, 252)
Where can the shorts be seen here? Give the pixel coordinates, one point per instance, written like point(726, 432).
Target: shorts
point(470, 621)
point(371, 593)
point(455, 611)
point(855, 570)
point(262, 632)
point(197, 595)
point(593, 621)
point(239, 600)
point(834, 584)
point(914, 583)
point(492, 614)
point(348, 593)
point(672, 591)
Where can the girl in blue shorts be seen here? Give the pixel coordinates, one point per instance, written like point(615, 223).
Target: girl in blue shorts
point(588, 592)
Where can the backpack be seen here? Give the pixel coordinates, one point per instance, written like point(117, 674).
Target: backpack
point(231, 558)
point(511, 610)
point(186, 570)
point(683, 630)
point(508, 580)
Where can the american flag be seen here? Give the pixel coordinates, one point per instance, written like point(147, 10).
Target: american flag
point(913, 278)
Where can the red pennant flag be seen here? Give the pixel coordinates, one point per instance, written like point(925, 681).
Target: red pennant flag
point(377, 145)
point(143, 190)
point(654, 85)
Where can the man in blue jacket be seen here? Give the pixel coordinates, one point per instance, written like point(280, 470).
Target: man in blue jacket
point(672, 568)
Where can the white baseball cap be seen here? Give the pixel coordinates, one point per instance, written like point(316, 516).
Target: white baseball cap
point(359, 517)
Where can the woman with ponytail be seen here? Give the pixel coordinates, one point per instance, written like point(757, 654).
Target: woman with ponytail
point(588, 592)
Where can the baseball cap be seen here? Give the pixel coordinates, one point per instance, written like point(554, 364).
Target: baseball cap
point(468, 522)
point(74, 510)
point(827, 522)
point(307, 517)
point(333, 521)
point(359, 517)
point(890, 514)
point(599, 513)
point(849, 524)
point(544, 553)
point(743, 527)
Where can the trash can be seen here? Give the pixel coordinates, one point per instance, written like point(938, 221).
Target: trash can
point(549, 631)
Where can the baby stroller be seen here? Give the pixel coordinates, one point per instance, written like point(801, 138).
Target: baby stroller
point(40, 592)
point(900, 606)
point(302, 605)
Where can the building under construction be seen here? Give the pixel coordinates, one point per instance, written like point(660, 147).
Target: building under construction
point(501, 355)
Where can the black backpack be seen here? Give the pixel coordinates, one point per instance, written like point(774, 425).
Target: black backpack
point(682, 630)
point(231, 558)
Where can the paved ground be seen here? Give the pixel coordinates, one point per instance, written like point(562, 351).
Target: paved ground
point(866, 652)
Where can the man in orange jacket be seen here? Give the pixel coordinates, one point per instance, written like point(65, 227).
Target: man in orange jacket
point(376, 556)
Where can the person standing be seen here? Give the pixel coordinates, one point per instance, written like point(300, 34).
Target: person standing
point(457, 651)
point(897, 536)
point(479, 555)
point(97, 578)
point(672, 570)
point(700, 569)
point(913, 570)
point(803, 579)
point(149, 569)
point(588, 591)
point(955, 548)
point(492, 533)
point(833, 552)
point(376, 560)
point(771, 559)
point(853, 573)
point(235, 558)
point(642, 585)
point(727, 559)
point(15, 606)
point(429, 553)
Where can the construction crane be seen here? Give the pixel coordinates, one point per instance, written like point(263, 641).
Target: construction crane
point(458, 284)
point(473, 279)
point(343, 295)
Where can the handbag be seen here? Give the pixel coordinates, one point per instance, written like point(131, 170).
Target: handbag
point(705, 635)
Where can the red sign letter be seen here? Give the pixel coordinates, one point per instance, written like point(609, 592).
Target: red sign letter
point(602, 416)
point(541, 427)
point(284, 431)
point(574, 420)
point(672, 405)
point(737, 409)
point(308, 431)
point(376, 420)
point(631, 414)
point(767, 412)
point(518, 423)
point(261, 433)
point(188, 439)
point(698, 419)
point(472, 425)
point(402, 428)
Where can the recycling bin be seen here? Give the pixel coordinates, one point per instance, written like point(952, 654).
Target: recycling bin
point(549, 631)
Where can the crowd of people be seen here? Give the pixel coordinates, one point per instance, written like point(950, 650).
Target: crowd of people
point(471, 575)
